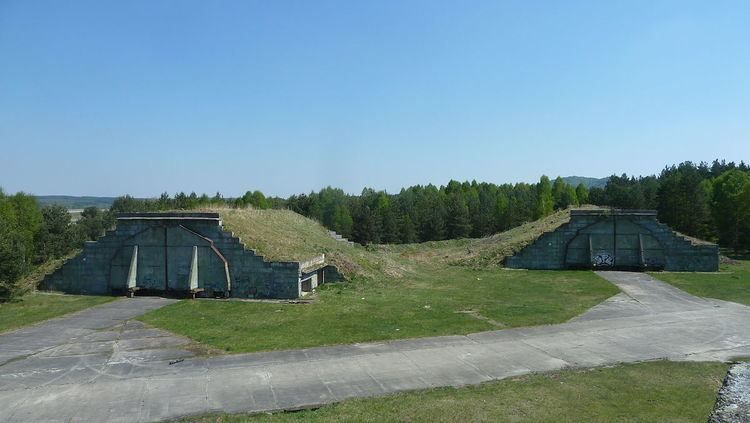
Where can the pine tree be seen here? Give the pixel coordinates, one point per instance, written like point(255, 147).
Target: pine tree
point(362, 231)
point(407, 230)
point(568, 198)
point(91, 223)
point(342, 222)
point(558, 193)
point(729, 207)
point(459, 225)
point(544, 200)
point(502, 212)
point(582, 193)
point(13, 263)
point(683, 200)
point(55, 237)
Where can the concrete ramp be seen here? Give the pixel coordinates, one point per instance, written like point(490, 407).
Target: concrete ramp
point(642, 294)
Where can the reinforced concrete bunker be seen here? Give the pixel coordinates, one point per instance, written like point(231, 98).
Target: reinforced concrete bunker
point(182, 254)
point(616, 239)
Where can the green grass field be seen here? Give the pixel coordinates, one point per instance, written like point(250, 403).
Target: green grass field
point(646, 392)
point(428, 301)
point(35, 307)
point(396, 291)
point(732, 283)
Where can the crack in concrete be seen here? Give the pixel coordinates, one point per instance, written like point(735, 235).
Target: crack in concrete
point(475, 314)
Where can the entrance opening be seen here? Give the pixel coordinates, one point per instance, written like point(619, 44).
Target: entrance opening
point(614, 244)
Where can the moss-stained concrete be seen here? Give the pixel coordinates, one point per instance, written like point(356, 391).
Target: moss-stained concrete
point(605, 239)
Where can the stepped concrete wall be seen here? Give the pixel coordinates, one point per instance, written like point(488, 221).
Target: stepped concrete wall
point(616, 239)
point(164, 257)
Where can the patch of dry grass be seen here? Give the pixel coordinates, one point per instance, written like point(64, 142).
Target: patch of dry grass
point(29, 282)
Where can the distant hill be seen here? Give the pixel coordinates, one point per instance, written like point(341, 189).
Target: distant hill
point(588, 182)
point(72, 202)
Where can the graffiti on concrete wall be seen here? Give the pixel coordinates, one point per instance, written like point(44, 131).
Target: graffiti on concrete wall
point(603, 259)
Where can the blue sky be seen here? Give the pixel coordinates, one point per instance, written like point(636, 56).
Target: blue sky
point(106, 98)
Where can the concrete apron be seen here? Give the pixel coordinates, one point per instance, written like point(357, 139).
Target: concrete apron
point(72, 375)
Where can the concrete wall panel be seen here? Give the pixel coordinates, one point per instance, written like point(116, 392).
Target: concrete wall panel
point(588, 240)
point(165, 244)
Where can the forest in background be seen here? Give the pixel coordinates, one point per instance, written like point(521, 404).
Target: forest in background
point(708, 201)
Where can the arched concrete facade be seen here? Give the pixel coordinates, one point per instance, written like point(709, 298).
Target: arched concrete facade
point(165, 259)
point(616, 239)
point(179, 253)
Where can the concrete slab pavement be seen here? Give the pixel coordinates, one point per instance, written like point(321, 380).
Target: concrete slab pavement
point(57, 380)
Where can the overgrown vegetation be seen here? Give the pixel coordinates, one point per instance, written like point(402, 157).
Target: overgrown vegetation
point(483, 252)
point(732, 283)
point(646, 392)
point(32, 237)
point(285, 235)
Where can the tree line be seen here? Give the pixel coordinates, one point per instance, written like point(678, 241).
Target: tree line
point(192, 201)
point(708, 201)
point(416, 214)
point(429, 213)
point(31, 235)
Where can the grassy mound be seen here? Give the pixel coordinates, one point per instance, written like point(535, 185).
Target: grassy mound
point(287, 236)
point(483, 252)
point(283, 235)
